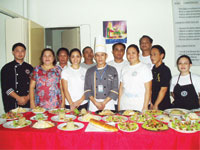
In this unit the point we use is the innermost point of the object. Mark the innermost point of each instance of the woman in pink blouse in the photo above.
(45, 87)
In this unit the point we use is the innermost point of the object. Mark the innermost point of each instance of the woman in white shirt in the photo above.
(73, 78)
(135, 82)
(185, 87)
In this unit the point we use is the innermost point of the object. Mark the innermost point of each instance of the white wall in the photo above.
(150, 17)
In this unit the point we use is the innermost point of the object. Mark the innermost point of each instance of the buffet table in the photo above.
(53, 138)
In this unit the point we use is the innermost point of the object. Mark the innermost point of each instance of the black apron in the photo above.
(185, 96)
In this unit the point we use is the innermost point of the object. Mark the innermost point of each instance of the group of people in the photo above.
(141, 82)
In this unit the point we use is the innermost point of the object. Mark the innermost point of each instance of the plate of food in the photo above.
(105, 112)
(154, 112)
(115, 118)
(39, 116)
(154, 125)
(140, 118)
(164, 118)
(38, 109)
(58, 110)
(20, 110)
(87, 117)
(41, 124)
(176, 111)
(128, 126)
(192, 116)
(11, 116)
(70, 126)
(64, 118)
(128, 112)
(196, 111)
(17, 124)
(185, 126)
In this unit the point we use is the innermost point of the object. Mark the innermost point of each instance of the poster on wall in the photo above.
(115, 31)
(186, 15)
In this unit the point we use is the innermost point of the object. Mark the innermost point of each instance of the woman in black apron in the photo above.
(185, 96)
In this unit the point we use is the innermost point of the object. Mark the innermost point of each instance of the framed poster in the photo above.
(186, 15)
(115, 31)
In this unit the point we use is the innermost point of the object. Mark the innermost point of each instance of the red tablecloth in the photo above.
(30, 138)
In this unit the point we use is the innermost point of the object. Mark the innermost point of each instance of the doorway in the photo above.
(68, 37)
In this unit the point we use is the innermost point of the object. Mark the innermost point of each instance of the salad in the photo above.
(128, 126)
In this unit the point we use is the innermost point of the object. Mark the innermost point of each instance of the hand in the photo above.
(72, 106)
(151, 106)
(144, 109)
(21, 100)
(155, 107)
(77, 103)
(99, 105)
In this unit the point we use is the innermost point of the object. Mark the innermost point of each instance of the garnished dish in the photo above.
(154, 125)
(16, 124)
(70, 126)
(41, 124)
(105, 112)
(38, 109)
(2, 121)
(11, 116)
(192, 116)
(39, 117)
(87, 117)
(63, 118)
(185, 126)
(115, 119)
(140, 118)
(20, 110)
(58, 110)
(196, 111)
(128, 112)
(154, 112)
(103, 125)
(128, 126)
(176, 111)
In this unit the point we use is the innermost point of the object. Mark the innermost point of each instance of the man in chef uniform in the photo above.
(101, 81)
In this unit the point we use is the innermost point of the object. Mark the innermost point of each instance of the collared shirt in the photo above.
(15, 77)
(87, 66)
(109, 81)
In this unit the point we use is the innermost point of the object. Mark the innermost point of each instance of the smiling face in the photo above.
(19, 53)
(184, 65)
(75, 58)
(156, 57)
(100, 58)
(63, 57)
(48, 58)
(132, 55)
(118, 52)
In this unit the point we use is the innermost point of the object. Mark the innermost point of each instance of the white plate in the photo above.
(34, 117)
(2, 121)
(168, 111)
(38, 111)
(196, 110)
(182, 131)
(104, 118)
(10, 125)
(56, 118)
(96, 117)
(128, 131)
(26, 110)
(1, 116)
(80, 126)
(162, 116)
(66, 110)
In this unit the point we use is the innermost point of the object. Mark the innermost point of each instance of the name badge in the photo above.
(100, 88)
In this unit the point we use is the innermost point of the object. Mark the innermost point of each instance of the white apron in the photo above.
(130, 102)
(110, 105)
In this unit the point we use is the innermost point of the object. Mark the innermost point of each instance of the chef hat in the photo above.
(100, 45)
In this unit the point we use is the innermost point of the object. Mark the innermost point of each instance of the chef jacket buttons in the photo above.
(104, 78)
(16, 82)
(104, 86)
(17, 74)
(104, 94)
(17, 91)
(15, 66)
